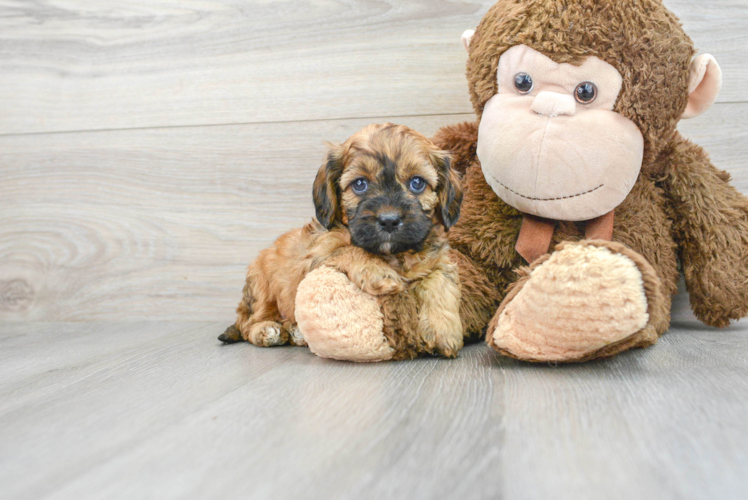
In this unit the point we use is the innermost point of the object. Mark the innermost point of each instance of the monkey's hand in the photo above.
(710, 225)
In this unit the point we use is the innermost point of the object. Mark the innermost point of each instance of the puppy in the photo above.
(383, 201)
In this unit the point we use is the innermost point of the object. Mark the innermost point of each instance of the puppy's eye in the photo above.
(360, 185)
(585, 93)
(523, 83)
(417, 184)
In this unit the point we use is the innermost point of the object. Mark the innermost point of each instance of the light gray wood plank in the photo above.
(666, 422)
(270, 414)
(152, 224)
(161, 224)
(176, 415)
(164, 63)
(77, 65)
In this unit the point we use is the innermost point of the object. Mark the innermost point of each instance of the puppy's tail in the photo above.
(232, 335)
(244, 311)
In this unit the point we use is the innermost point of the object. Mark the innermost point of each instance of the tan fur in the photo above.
(272, 280)
(417, 292)
(421, 318)
(425, 318)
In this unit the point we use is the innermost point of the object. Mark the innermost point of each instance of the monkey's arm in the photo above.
(461, 140)
(710, 226)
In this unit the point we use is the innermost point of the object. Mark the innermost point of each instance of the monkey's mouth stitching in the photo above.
(545, 199)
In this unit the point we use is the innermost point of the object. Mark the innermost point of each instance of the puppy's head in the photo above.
(390, 186)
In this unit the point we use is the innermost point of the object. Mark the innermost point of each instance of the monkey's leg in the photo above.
(586, 300)
(711, 228)
(580, 312)
(340, 321)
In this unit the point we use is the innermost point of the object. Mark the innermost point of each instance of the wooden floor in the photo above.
(161, 410)
(150, 148)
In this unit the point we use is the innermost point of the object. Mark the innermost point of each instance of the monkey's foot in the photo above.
(587, 300)
(338, 320)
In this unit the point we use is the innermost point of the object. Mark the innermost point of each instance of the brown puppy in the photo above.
(383, 202)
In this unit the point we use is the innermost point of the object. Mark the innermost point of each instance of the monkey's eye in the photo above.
(585, 93)
(523, 83)
(360, 185)
(417, 184)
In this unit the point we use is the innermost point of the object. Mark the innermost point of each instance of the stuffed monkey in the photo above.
(580, 196)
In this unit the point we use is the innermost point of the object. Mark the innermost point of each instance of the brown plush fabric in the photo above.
(710, 227)
(488, 230)
(681, 207)
(461, 140)
(640, 38)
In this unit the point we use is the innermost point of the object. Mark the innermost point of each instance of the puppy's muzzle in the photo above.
(389, 221)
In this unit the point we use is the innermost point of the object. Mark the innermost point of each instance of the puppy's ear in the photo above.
(326, 192)
(449, 190)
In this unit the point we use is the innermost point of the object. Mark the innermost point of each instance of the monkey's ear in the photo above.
(704, 84)
(449, 190)
(326, 190)
(466, 37)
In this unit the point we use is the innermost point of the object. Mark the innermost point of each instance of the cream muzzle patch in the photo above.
(551, 144)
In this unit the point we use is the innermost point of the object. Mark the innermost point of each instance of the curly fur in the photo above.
(406, 269)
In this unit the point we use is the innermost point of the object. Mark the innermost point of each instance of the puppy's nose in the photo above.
(389, 221)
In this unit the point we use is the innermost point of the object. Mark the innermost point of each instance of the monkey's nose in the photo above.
(389, 221)
(554, 104)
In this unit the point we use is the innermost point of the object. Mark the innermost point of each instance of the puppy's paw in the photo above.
(449, 345)
(295, 336)
(442, 333)
(267, 334)
(379, 280)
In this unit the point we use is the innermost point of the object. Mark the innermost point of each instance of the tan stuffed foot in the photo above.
(338, 320)
(587, 300)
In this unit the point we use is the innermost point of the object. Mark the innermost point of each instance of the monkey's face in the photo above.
(549, 141)
(393, 188)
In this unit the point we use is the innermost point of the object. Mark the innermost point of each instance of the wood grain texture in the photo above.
(161, 224)
(157, 221)
(161, 410)
(78, 65)
(152, 224)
